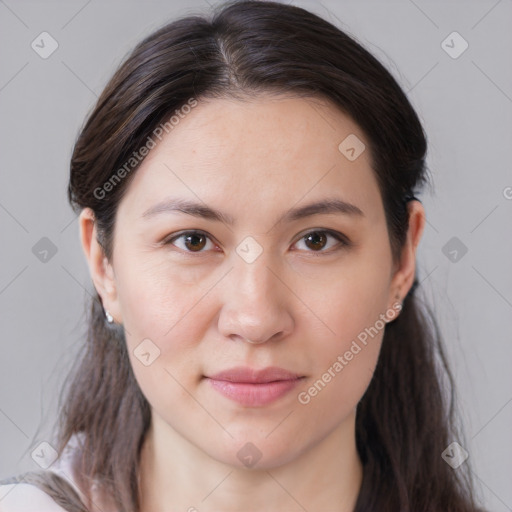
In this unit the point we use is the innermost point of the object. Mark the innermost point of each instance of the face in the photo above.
(252, 278)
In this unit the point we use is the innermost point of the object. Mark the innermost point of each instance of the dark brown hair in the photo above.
(406, 417)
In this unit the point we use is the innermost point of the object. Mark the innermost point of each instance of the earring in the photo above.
(110, 318)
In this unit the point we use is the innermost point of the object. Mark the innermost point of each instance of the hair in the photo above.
(406, 417)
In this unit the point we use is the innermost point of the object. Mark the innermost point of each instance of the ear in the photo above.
(101, 270)
(405, 271)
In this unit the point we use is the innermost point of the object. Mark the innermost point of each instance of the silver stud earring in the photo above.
(110, 318)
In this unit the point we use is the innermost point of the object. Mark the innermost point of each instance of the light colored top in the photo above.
(25, 497)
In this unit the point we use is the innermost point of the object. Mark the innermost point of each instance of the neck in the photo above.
(176, 475)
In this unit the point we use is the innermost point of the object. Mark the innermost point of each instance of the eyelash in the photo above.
(343, 241)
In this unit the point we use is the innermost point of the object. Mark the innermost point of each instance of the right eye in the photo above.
(190, 241)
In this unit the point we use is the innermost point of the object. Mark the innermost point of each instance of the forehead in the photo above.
(267, 151)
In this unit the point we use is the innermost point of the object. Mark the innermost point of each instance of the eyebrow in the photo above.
(326, 206)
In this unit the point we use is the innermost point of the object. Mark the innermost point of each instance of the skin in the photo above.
(254, 160)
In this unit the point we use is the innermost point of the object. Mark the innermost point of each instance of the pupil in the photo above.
(317, 240)
(192, 242)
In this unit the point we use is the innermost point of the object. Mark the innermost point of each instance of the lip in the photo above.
(252, 387)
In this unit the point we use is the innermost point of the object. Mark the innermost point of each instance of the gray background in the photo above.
(465, 104)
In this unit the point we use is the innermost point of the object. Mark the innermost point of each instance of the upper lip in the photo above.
(245, 374)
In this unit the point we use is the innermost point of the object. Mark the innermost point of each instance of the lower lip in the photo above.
(253, 395)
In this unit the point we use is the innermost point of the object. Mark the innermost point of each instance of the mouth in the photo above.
(254, 388)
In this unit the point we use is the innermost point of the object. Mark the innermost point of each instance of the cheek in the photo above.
(348, 300)
(354, 307)
(344, 362)
(333, 395)
(162, 299)
(159, 297)
(162, 342)
(164, 319)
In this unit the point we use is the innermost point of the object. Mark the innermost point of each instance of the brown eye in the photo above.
(323, 241)
(315, 240)
(191, 241)
(195, 242)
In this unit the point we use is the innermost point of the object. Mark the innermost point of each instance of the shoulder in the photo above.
(22, 494)
(23, 497)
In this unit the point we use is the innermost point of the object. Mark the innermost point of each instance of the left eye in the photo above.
(318, 241)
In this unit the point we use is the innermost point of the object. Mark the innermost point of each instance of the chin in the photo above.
(256, 452)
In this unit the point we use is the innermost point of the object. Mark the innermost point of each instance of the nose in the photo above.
(255, 303)
(254, 342)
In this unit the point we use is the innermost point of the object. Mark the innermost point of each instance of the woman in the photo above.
(246, 188)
